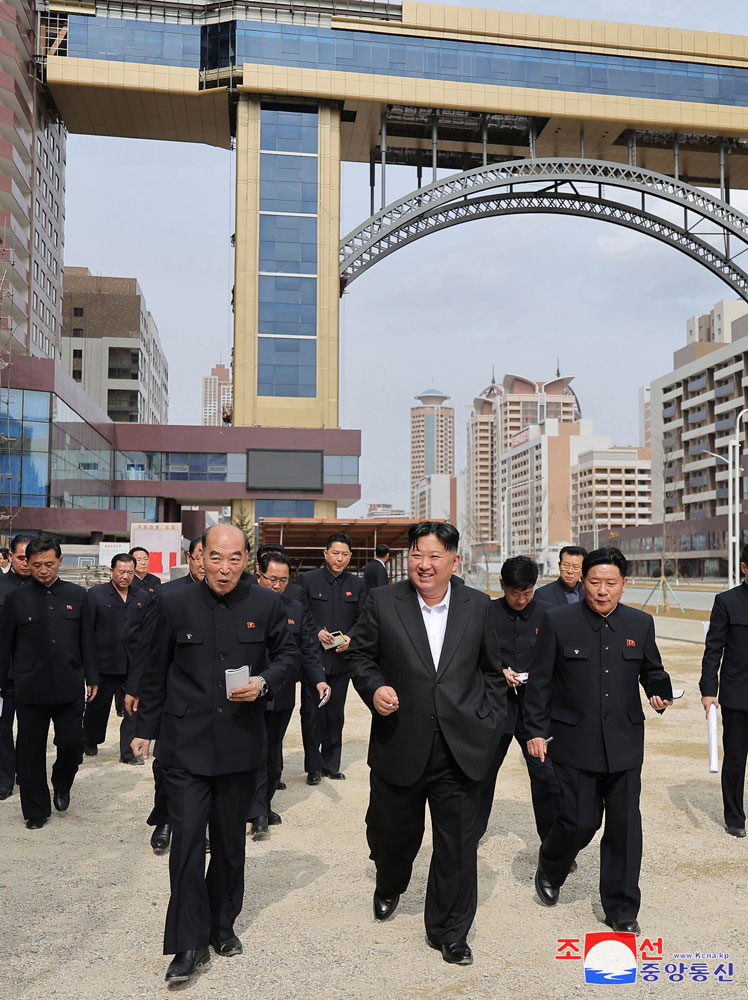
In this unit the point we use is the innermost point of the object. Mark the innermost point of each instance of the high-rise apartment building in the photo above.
(693, 413)
(483, 436)
(32, 194)
(110, 345)
(610, 488)
(432, 440)
(525, 402)
(217, 397)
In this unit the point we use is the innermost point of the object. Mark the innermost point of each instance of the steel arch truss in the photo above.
(705, 228)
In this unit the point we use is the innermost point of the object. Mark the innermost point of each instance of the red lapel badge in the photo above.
(250, 624)
(291, 621)
(630, 642)
(348, 593)
(537, 630)
(68, 607)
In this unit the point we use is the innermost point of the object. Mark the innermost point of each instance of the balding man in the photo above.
(210, 742)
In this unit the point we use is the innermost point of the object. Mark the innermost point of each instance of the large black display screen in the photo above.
(271, 469)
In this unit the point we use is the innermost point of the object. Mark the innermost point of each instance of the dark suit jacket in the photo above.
(465, 697)
(375, 575)
(181, 581)
(121, 629)
(150, 581)
(517, 632)
(44, 632)
(335, 603)
(584, 682)
(304, 630)
(727, 647)
(553, 595)
(8, 583)
(183, 702)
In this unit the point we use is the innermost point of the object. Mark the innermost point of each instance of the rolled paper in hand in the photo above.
(713, 744)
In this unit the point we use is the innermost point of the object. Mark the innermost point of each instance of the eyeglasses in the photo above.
(274, 579)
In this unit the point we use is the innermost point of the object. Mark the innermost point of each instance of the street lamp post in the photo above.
(734, 502)
(721, 458)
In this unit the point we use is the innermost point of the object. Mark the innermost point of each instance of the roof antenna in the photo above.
(558, 368)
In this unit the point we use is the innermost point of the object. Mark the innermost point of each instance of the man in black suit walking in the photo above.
(583, 693)
(568, 588)
(211, 743)
(426, 661)
(18, 574)
(724, 672)
(43, 634)
(120, 617)
(335, 598)
(375, 572)
(142, 577)
(196, 572)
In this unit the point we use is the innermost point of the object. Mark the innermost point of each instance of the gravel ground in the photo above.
(83, 900)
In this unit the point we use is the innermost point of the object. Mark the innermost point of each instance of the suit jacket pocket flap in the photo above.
(632, 653)
(175, 706)
(636, 715)
(190, 638)
(576, 652)
(738, 620)
(253, 634)
(568, 715)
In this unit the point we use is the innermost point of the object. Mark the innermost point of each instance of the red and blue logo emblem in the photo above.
(610, 958)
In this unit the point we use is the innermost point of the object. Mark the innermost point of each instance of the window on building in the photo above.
(77, 332)
(77, 310)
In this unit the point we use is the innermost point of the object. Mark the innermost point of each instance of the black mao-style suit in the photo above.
(517, 632)
(8, 583)
(44, 635)
(279, 708)
(436, 748)
(210, 747)
(724, 672)
(375, 575)
(121, 635)
(335, 603)
(584, 691)
(554, 595)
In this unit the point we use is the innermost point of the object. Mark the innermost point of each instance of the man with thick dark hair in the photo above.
(274, 569)
(516, 618)
(43, 634)
(121, 619)
(375, 572)
(17, 575)
(583, 693)
(196, 572)
(211, 738)
(568, 588)
(293, 590)
(142, 577)
(724, 672)
(426, 662)
(335, 598)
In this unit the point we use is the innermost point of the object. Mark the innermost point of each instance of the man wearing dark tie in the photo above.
(375, 572)
(211, 738)
(583, 694)
(568, 588)
(425, 660)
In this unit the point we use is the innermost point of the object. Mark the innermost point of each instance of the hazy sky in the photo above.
(514, 293)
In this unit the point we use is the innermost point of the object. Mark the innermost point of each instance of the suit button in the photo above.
(606, 647)
(52, 641)
(219, 709)
(606, 670)
(432, 716)
(605, 624)
(605, 715)
(606, 695)
(221, 656)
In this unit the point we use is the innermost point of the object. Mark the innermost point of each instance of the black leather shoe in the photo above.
(335, 775)
(454, 952)
(274, 819)
(182, 967)
(624, 926)
(131, 760)
(734, 831)
(383, 907)
(61, 800)
(161, 838)
(230, 946)
(259, 827)
(36, 822)
(90, 750)
(314, 778)
(6, 791)
(547, 893)
(281, 786)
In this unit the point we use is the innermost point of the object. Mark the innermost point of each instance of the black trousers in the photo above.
(7, 745)
(31, 746)
(394, 830)
(322, 728)
(585, 795)
(160, 812)
(96, 716)
(269, 772)
(204, 904)
(735, 746)
(544, 789)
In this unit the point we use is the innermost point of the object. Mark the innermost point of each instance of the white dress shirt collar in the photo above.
(435, 621)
